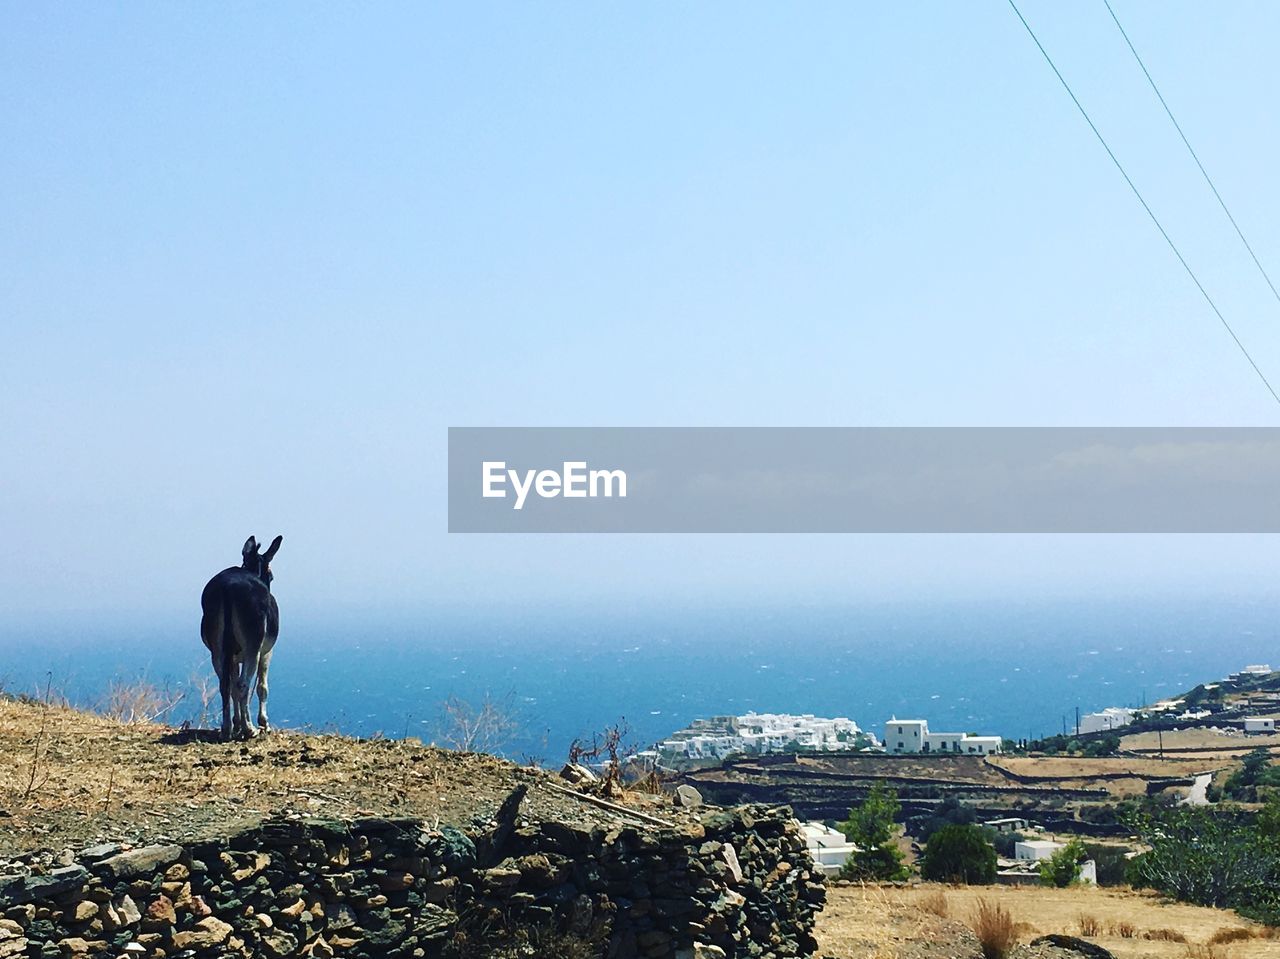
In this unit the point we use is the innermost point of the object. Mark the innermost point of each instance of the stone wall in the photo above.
(733, 883)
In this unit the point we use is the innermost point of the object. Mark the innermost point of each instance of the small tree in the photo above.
(870, 827)
(959, 853)
(487, 726)
(1062, 869)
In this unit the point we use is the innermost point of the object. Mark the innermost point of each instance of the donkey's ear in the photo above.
(250, 547)
(271, 550)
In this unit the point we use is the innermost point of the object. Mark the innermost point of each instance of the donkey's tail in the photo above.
(229, 643)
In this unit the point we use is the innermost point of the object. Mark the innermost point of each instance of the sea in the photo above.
(1013, 668)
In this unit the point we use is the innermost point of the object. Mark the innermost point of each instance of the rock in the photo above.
(688, 797)
(160, 909)
(209, 932)
(1073, 944)
(128, 911)
(700, 950)
(199, 908)
(293, 912)
(84, 911)
(9, 929)
(138, 861)
(537, 871)
(279, 944)
(177, 873)
(501, 881)
(731, 861)
(452, 848)
(578, 773)
(395, 881)
(94, 853)
(17, 890)
(343, 917)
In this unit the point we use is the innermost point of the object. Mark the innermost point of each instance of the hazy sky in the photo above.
(255, 259)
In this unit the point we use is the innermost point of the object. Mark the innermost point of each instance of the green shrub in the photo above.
(1062, 869)
(959, 853)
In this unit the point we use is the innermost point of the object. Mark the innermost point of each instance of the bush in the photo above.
(1255, 771)
(959, 853)
(1062, 869)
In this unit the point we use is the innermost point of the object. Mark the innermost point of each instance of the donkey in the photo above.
(240, 623)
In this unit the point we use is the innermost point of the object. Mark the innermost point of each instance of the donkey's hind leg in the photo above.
(250, 631)
(264, 663)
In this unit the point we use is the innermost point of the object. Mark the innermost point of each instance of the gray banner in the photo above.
(864, 480)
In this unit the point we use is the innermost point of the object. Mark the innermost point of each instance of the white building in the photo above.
(828, 847)
(1038, 850)
(1008, 824)
(1113, 717)
(1034, 850)
(722, 737)
(913, 736)
(1252, 672)
(1260, 724)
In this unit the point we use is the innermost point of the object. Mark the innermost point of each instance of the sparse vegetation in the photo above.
(935, 901)
(486, 727)
(139, 701)
(609, 746)
(1229, 934)
(1124, 929)
(994, 926)
(1089, 925)
(1164, 935)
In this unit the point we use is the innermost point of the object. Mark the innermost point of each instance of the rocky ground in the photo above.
(70, 779)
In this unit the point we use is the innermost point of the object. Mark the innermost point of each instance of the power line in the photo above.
(1205, 173)
(1137, 193)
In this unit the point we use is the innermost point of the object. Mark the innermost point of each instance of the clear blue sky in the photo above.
(254, 259)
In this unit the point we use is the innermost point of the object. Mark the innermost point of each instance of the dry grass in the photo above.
(1164, 935)
(994, 926)
(1124, 929)
(1229, 934)
(1206, 950)
(1133, 925)
(68, 777)
(1089, 926)
(935, 901)
(138, 701)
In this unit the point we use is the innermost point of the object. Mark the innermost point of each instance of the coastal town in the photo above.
(719, 738)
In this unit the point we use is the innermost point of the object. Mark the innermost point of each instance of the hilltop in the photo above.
(71, 778)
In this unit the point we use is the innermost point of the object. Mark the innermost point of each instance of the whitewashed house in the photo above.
(1260, 724)
(1113, 717)
(913, 736)
(828, 847)
(1034, 850)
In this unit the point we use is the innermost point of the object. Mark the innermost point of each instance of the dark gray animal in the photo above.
(240, 623)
